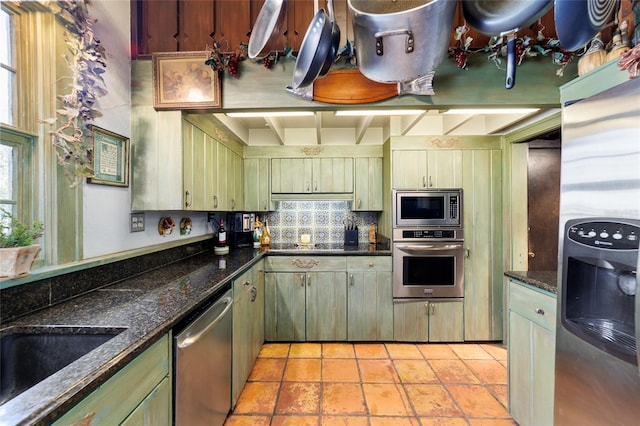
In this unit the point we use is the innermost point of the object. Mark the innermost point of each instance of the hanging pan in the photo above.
(578, 21)
(314, 49)
(267, 28)
(335, 40)
(504, 18)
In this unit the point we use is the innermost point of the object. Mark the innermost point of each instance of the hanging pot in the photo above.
(313, 52)
(502, 18)
(578, 21)
(267, 28)
(400, 40)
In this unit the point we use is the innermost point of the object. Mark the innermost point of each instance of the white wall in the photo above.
(106, 209)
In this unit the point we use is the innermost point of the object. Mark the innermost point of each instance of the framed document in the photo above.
(110, 158)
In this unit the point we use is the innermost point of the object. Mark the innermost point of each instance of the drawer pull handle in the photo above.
(539, 311)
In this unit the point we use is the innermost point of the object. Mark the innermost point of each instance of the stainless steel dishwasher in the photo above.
(202, 369)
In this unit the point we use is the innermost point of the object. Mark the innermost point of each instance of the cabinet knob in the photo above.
(359, 203)
(539, 311)
(370, 264)
(351, 279)
(430, 182)
(215, 201)
(246, 283)
(424, 181)
(467, 252)
(187, 199)
(532, 254)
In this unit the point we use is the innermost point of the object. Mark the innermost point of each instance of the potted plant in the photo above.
(17, 250)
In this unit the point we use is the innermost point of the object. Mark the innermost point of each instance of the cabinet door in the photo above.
(326, 306)
(411, 322)
(444, 167)
(155, 410)
(483, 270)
(284, 315)
(291, 175)
(370, 306)
(409, 169)
(446, 322)
(221, 194)
(332, 175)
(257, 196)
(257, 311)
(242, 325)
(368, 184)
(194, 166)
(520, 353)
(236, 182)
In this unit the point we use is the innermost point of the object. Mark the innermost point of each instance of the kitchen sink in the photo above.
(30, 355)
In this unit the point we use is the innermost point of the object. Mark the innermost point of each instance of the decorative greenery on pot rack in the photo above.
(87, 62)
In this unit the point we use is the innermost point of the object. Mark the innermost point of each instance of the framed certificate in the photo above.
(110, 158)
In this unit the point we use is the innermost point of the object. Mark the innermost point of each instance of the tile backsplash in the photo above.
(323, 220)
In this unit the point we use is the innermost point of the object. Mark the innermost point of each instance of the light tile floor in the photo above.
(376, 384)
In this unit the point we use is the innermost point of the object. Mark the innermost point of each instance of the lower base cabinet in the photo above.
(428, 321)
(248, 326)
(531, 354)
(369, 299)
(139, 394)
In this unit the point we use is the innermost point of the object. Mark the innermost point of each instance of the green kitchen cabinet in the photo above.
(428, 321)
(425, 169)
(311, 175)
(369, 298)
(257, 193)
(248, 326)
(236, 184)
(140, 393)
(153, 410)
(483, 264)
(531, 353)
(305, 298)
(367, 195)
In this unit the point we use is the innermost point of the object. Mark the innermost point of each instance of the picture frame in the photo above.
(110, 158)
(182, 81)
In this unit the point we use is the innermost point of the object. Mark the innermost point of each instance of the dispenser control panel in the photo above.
(607, 235)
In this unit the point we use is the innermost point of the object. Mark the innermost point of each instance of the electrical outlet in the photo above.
(136, 223)
(211, 216)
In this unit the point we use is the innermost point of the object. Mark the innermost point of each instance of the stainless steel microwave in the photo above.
(427, 208)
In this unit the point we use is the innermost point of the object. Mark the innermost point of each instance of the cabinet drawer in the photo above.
(533, 305)
(114, 400)
(242, 283)
(369, 263)
(305, 263)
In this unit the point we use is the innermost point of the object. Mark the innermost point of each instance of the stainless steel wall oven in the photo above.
(428, 263)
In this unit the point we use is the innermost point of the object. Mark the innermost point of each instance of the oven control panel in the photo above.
(420, 234)
(607, 235)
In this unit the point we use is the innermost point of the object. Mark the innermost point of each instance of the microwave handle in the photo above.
(423, 248)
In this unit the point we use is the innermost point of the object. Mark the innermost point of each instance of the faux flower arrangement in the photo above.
(526, 47)
(87, 62)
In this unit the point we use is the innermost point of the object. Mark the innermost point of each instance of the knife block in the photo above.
(351, 237)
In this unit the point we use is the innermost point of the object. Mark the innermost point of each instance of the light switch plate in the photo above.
(136, 223)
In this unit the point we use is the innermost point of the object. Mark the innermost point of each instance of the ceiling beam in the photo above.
(362, 126)
(234, 126)
(452, 122)
(408, 122)
(276, 127)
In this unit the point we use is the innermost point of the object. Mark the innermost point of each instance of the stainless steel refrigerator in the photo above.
(597, 380)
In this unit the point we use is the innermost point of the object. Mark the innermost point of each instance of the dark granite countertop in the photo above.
(544, 280)
(146, 306)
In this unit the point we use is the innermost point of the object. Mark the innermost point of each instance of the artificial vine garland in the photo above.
(72, 139)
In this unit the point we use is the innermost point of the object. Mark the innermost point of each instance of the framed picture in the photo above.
(110, 158)
(181, 80)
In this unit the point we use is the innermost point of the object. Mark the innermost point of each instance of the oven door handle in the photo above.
(424, 248)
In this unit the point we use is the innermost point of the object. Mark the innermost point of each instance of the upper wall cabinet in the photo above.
(368, 184)
(257, 196)
(424, 169)
(311, 175)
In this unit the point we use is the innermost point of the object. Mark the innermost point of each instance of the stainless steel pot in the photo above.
(400, 40)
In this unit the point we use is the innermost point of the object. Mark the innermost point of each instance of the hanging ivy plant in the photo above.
(87, 62)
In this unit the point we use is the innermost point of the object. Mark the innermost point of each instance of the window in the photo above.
(8, 71)
(16, 173)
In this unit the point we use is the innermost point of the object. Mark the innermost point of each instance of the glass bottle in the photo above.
(222, 234)
(265, 239)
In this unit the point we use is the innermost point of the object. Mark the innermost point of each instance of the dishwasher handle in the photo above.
(190, 339)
